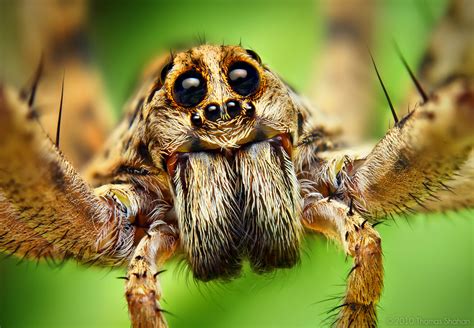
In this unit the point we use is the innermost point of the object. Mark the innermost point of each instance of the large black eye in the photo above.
(243, 78)
(189, 89)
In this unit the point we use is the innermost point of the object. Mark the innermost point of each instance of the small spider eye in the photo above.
(243, 78)
(189, 89)
(196, 119)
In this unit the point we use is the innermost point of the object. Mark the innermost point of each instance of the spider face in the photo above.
(219, 97)
(228, 121)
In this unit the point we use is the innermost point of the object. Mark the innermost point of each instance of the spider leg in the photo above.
(142, 289)
(456, 193)
(52, 199)
(122, 173)
(54, 35)
(449, 57)
(362, 242)
(17, 238)
(416, 156)
(20, 240)
(343, 78)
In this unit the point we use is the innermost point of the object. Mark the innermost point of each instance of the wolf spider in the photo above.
(219, 161)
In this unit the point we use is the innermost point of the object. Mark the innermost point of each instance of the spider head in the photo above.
(225, 125)
(219, 97)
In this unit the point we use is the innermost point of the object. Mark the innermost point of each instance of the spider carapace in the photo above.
(220, 161)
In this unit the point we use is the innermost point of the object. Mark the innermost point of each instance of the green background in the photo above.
(428, 258)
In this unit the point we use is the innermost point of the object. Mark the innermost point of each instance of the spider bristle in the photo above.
(200, 38)
(351, 321)
(330, 321)
(363, 223)
(49, 259)
(16, 250)
(64, 235)
(9, 242)
(337, 307)
(427, 187)
(329, 299)
(352, 269)
(351, 204)
(93, 262)
(158, 273)
(165, 311)
(446, 187)
(331, 315)
(25, 255)
(172, 55)
(123, 278)
(392, 109)
(58, 127)
(417, 83)
(376, 224)
(409, 210)
(36, 80)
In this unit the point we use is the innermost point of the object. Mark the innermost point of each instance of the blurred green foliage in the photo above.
(429, 260)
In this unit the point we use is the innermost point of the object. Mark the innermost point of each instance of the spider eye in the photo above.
(189, 89)
(243, 78)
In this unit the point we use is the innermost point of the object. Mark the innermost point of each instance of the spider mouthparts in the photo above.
(173, 161)
(282, 140)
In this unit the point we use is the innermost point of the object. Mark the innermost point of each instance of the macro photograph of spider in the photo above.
(225, 163)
